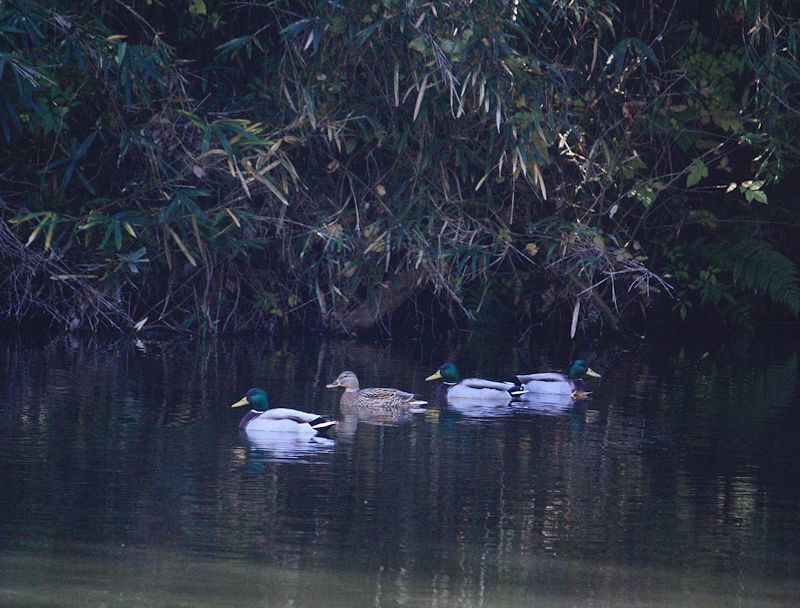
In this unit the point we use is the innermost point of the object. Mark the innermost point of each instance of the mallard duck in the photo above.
(279, 419)
(387, 399)
(560, 384)
(476, 389)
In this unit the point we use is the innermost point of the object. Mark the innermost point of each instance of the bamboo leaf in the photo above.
(234, 218)
(167, 253)
(420, 96)
(575, 314)
(396, 85)
(182, 247)
(34, 234)
(48, 237)
(198, 239)
(266, 181)
(537, 175)
(481, 180)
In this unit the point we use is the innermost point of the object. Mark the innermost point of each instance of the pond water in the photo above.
(124, 480)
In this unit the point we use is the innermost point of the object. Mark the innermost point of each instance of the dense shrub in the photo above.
(217, 166)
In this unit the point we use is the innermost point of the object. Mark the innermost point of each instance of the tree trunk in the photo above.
(393, 293)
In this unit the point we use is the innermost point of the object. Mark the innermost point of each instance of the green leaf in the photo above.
(231, 46)
(419, 44)
(727, 120)
(197, 7)
(697, 171)
(123, 47)
(295, 29)
(646, 193)
(757, 195)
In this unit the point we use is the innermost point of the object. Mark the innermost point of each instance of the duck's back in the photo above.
(281, 420)
(542, 377)
(378, 397)
(480, 389)
(548, 383)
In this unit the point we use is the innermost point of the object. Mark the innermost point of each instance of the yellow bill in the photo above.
(434, 376)
(241, 402)
(592, 373)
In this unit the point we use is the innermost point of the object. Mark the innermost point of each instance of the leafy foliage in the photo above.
(724, 273)
(217, 166)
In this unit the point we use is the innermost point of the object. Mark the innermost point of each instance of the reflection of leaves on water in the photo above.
(747, 392)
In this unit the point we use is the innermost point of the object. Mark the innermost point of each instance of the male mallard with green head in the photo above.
(262, 417)
(478, 389)
(555, 383)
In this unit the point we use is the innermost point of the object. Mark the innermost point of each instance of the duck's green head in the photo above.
(257, 398)
(581, 367)
(447, 372)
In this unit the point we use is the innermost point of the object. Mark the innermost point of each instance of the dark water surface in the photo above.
(125, 482)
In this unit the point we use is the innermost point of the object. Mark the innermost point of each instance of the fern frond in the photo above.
(757, 266)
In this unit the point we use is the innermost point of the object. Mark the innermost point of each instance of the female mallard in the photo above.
(560, 384)
(383, 398)
(280, 419)
(477, 389)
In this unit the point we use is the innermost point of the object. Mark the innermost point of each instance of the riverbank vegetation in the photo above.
(218, 166)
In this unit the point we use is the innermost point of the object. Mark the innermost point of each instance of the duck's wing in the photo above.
(285, 413)
(386, 395)
(542, 377)
(482, 383)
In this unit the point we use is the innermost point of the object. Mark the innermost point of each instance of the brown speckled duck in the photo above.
(375, 398)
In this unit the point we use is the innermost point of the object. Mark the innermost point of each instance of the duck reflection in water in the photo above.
(476, 408)
(353, 415)
(546, 404)
(287, 446)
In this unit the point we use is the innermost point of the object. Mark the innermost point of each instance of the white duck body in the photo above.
(550, 383)
(478, 389)
(284, 420)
